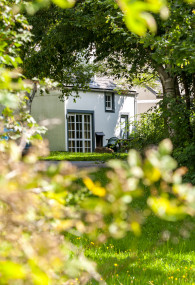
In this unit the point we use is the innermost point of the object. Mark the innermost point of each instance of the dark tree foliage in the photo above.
(65, 41)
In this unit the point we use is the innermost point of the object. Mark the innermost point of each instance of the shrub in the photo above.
(148, 130)
(185, 156)
(170, 119)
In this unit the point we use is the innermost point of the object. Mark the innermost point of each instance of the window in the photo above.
(109, 102)
(124, 127)
(80, 132)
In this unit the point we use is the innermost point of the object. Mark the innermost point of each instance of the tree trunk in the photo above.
(187, 91)
(168, 87)
(171, 91)
(193, 82)
(177, 91)
(168, 82)
(31, 96)
(188, 103)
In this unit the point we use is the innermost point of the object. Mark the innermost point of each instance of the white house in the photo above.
(96, 116)
(146, 98)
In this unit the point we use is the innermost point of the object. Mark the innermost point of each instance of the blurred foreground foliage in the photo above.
(36, 212)
(37, 209)
(186, 156)
(138, 15)
(33, 213)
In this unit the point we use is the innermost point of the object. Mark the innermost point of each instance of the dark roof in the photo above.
(102, 83)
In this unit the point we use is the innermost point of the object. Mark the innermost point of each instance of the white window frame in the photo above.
(83, 139)
(108, 99)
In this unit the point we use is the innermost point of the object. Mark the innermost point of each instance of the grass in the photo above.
(163, 254)
(167, 264)
(146, 260)
(71, 156)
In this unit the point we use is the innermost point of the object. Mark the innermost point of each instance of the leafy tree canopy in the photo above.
(65, 39)
(69, 45)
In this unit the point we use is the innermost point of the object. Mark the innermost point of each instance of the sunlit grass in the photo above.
(163, 254)
(147, 260)
(70, 156)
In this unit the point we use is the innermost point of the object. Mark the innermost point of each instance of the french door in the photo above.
(80, 132)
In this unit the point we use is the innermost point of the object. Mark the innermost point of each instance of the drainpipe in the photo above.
(135, 110)
(135, 107)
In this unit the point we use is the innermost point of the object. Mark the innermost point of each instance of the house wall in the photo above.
(106, 122)
(51, 109)
(48, 107)
(146, 99)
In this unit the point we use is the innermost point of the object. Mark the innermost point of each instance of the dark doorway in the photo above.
(99, 139)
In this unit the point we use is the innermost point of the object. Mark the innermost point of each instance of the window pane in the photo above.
(108, 101)
(71, 146)
(79, 133)
(87, 118)
(78, 118)
(79, 146)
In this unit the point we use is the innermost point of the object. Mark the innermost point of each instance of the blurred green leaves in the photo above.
(138, 14)
(10, 270)
(33, 216)
(167, 209)
(64, 3)
(35, 212)
(33, 6)
(154, 178)
(14, 32)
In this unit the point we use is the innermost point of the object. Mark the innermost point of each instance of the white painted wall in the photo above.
(106, 122)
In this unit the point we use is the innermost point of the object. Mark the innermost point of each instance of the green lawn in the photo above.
(70, 156)
(121, 262)
(150, 259)
(147, 260)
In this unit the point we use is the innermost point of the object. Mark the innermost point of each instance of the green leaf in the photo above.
(165, 147)
(64, 3)
(137, 16)
(37, 136)
(39, 277)
(134, 158)
(11, 270)
(166, 209)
